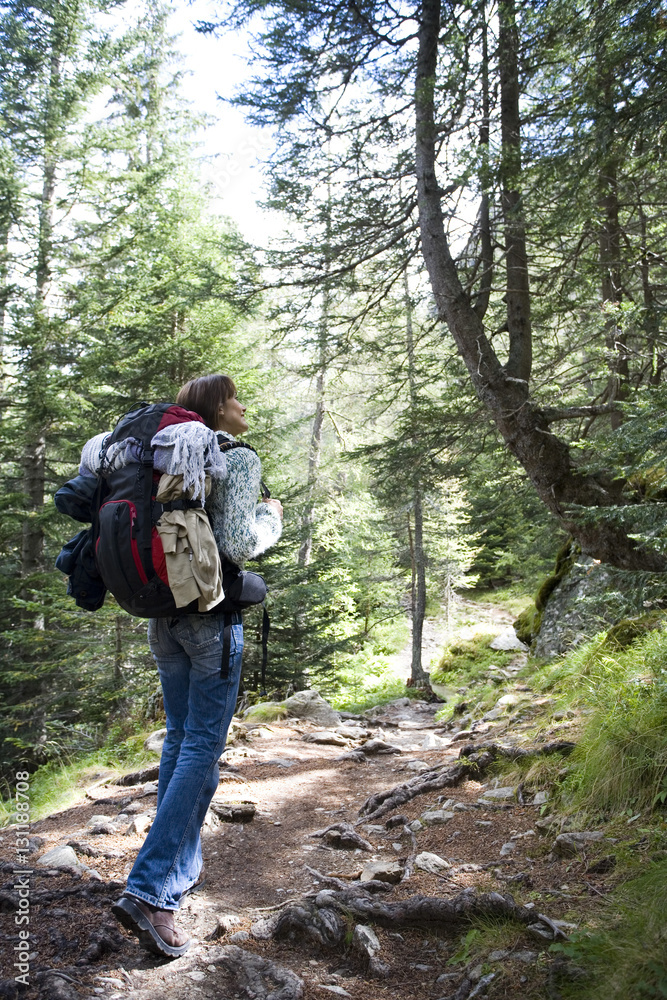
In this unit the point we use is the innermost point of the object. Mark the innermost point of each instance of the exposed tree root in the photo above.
(473, 761)
(325, 918)
(258, 977)
(519, 753)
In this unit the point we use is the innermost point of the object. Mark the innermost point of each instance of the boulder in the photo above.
(140, 825)
(502, 794)
(238, 811)
(379, 746)
(568, 845)
(434, 817)
(365, 941)
(155, 740)
(100, 825)
(587, 597)
(507, 640)
(353, 732)
(434, 742)
(326, 736)
(310, 705)
(416, 765)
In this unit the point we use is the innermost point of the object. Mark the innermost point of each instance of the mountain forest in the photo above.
(452, 345)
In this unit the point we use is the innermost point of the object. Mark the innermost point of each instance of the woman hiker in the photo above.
(199, 697)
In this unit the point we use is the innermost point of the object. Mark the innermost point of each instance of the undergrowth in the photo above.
(465, 660)
(626, 954)
(60, 784)
(512, 598)
(621, 758)
(378, 691)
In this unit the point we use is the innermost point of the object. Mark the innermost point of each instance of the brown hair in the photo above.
(206, 395)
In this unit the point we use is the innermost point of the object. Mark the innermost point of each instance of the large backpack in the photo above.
(123, 545)
(128, 551)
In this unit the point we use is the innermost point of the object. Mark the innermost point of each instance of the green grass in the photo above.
(379, 691)
(465, 660)
(625, 954)
(486, 934)
(265, 711)
(621, 758)
(512, 598)
(61, 784)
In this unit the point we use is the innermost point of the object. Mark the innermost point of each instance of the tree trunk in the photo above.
(308, 518)
(481, 300)
(118, 652)
(519, 362)
(34, 456)
(523, 426)
(4, 298)
(418, 676)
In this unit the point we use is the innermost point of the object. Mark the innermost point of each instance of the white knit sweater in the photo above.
(243, 528)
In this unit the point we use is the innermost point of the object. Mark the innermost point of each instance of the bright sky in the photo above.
(234, 151)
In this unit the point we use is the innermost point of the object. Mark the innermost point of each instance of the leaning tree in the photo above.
(505, 148)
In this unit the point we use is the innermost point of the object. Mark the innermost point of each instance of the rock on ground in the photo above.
(311, 705)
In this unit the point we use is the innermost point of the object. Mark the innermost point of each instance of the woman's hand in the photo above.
(277, 506)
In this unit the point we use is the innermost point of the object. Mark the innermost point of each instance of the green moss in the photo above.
(527, 625)
(565, 560)
(625, 632)
(466, 659)
(265, 711)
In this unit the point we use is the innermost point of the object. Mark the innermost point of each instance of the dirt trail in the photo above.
(300, 788)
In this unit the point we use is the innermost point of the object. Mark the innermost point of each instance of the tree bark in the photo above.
(34, 457)
(482, 297)
(308, 518)
(519, 362)
(418, 676)
(521, 423)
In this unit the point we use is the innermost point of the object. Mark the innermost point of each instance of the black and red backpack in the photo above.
(122, 552)
(128, 550)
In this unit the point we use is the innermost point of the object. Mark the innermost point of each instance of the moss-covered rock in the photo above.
(565, 560)
(527, 624)
(625, 632)
(581, 598)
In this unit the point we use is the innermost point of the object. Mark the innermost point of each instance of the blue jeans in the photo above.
(199, 702)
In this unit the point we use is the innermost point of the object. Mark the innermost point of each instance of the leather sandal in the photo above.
(154, 928)
(198, 884)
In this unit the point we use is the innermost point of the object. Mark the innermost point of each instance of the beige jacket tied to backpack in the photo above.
(190, 551)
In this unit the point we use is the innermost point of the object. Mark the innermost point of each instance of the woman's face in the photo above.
(231, 417)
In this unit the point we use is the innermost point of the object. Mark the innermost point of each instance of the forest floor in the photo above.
(255, 869)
